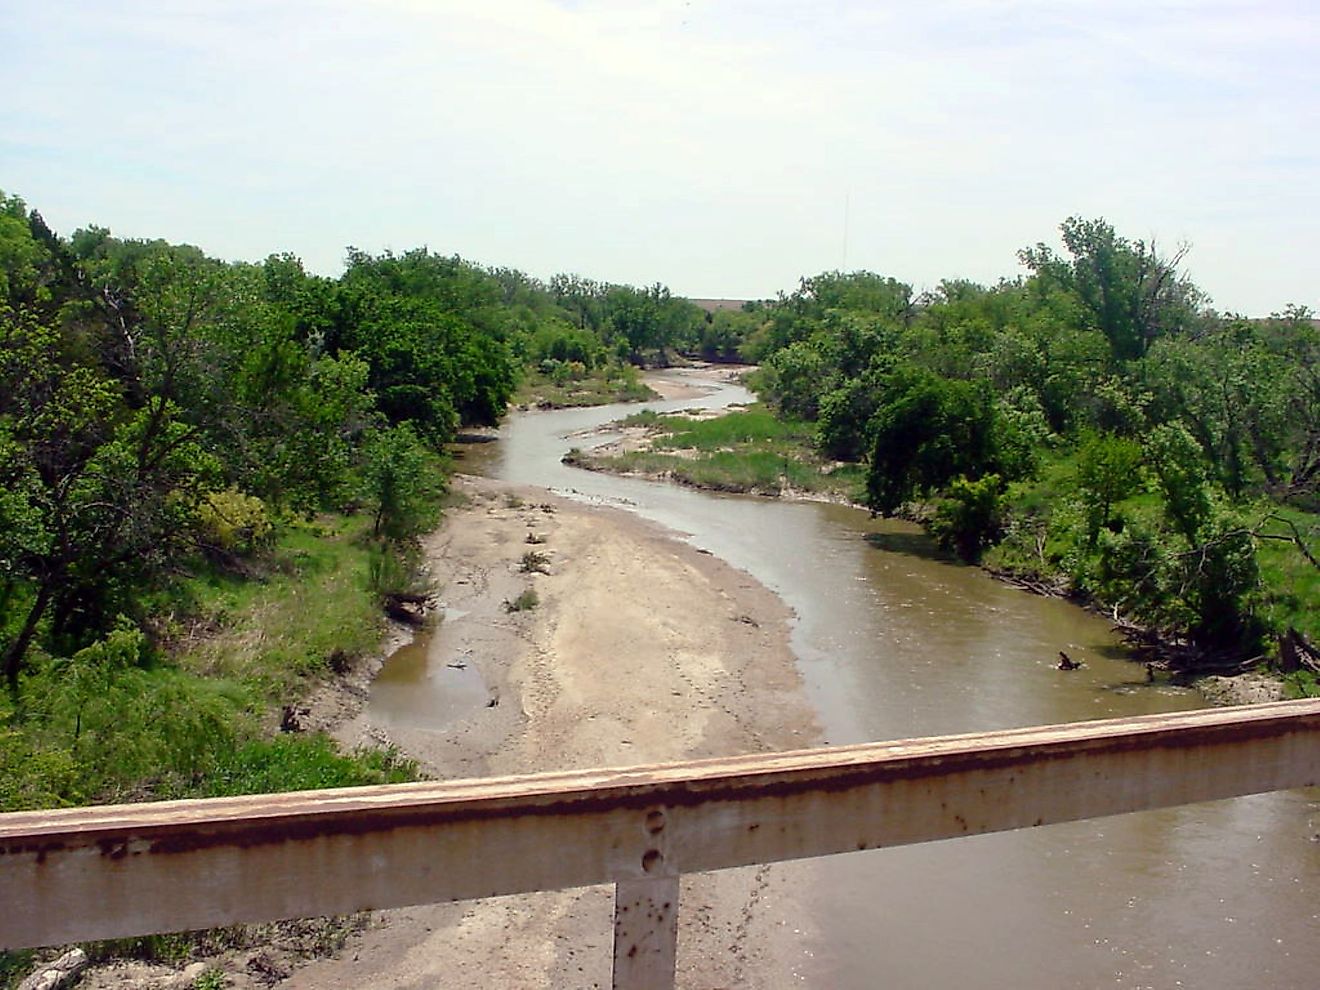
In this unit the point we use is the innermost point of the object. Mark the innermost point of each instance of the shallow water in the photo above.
(427, 685)
(895, 640)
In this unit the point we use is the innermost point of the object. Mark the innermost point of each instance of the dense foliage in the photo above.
(1092, 420)
(170, 423)
(167, 419)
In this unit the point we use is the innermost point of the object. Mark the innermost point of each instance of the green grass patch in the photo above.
(128, 719)
(1291, 583)
(15, 966)
(748, 450)
(1301, 684)
(756, 428)
(301, 763)
(614, 383)
(307, 611)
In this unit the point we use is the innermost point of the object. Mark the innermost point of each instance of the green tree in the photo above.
(1108, 471)
(1176, 461)
(105, 491)
(432, 334)
(1129, 292)
(929, 431)
(402, 484)
(969, 516)
(1233, 395)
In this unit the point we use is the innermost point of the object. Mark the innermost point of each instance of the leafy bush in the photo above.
(402, 483)
(232, 522)
(1301, 684)
(968, 516)
(125, 726)
(35, 777)
(1108, 471)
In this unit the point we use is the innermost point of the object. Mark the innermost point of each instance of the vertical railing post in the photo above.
(646, 912)
(645, 933)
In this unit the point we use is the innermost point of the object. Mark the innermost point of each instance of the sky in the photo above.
(726, 149)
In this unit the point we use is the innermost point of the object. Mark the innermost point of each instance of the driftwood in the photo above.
(1296, 652)
(408, 607)
(1055, 588)
(1164, 651)
(291, 717)
(63, 972)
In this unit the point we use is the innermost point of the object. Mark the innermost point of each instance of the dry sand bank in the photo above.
(642, 649)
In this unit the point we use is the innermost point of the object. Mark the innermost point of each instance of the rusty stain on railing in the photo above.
(106, 872)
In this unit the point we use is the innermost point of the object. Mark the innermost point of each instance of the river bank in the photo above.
(748, 451)
(891, 643)
(641, 648)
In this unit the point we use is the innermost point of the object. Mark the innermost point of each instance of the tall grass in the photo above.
(756, 425)
(129, 719)
(312, 609)
(1291, 582)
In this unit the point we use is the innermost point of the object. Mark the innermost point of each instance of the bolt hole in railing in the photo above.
(117, 871)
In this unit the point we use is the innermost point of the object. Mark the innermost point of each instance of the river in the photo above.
(895, 641)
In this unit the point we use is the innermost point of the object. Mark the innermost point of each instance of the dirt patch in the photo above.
(1243, 689)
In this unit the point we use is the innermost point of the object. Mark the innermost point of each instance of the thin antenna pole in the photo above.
(847, 197)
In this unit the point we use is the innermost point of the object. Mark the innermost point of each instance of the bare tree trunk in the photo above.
(13, 661)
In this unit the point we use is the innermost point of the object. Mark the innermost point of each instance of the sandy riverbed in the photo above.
(642, 649)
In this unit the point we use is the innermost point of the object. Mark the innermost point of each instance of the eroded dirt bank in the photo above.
(641, 649)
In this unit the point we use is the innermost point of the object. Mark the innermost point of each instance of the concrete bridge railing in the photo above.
(116, 871)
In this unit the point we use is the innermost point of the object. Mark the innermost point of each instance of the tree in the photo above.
(1108, 471)
(105, 492)
(1179, 469)
(845, 414)
(929, 431)
(1295, 335)
(795, 378)
(401, 482)
(968, 517)
(1129, 293)
(1233, 395)
(431, 332)
(634, 318)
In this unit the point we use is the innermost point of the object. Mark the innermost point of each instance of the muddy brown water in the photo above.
(893, 641)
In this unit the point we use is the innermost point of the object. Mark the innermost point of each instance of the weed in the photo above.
(14, 966)
(1301, 684)
(300, 763)
(272, 634)
(173, 949)
(525, 602)
(612, 383)
(534, 562)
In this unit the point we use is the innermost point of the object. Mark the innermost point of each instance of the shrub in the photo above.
(968, 517)
(33, 777)
(233, 523)
(402, 483)
(123, 726)
(525, 602)
(534, 562)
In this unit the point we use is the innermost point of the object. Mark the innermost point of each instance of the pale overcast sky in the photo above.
(724, 148)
